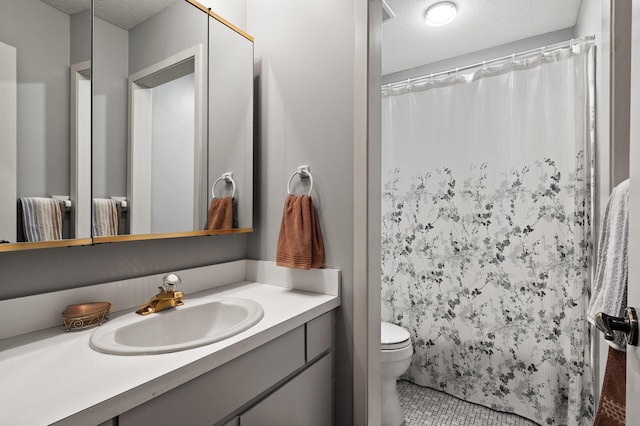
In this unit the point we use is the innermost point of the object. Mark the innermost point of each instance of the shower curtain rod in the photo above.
(551, 47)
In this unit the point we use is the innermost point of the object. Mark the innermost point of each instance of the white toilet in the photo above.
(395, 358)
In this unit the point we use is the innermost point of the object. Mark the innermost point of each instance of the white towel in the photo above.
(105, 217)
(609, 291)
(42, 218)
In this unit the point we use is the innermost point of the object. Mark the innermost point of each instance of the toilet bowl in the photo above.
(395, 357)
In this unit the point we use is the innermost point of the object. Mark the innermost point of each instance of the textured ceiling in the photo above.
(125, 14)
(69, 7)
(480, 24)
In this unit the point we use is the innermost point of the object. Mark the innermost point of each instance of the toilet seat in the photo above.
(393, 337)
(395, 355)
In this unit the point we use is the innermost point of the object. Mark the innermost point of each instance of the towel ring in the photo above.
(228, 178)
(304, 172)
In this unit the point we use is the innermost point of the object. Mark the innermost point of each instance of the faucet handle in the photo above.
(170, 281)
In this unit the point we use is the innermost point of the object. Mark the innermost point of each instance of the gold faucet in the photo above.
(168, 297)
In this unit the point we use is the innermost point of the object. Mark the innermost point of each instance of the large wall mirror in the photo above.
(172, 116)
(45, 123)
(163, 148)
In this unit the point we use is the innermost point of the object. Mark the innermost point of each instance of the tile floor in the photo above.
(424, 406)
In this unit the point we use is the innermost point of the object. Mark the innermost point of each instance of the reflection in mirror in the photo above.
(231, 121)
(44, 121)
(166, 131)
(158, 146)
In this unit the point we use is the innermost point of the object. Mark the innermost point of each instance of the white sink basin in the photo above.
(198, 322)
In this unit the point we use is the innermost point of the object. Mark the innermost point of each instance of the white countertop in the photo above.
(52, 376)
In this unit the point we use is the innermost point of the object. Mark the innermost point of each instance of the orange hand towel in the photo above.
(317, 246)
(612, 405)
(220, 215)
(300, 242)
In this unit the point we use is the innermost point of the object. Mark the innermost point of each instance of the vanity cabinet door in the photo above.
(304, 400)
(319, 336)
(208, 399)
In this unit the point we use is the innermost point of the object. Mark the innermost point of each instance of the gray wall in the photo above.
(304, 71)
(231, 95)
(109, 142)
(173, 30)
(118, 54)
(80, 37)
(40, 271)
(41, 36)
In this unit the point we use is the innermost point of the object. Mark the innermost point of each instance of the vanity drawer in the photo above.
(207, 399)
(319, 335)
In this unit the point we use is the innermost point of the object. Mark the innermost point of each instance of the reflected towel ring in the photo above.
(304, 172)
(227, 177)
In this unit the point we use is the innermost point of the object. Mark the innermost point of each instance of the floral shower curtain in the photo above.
(486, 232)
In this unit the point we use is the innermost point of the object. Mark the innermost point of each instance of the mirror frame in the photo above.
(44, 244)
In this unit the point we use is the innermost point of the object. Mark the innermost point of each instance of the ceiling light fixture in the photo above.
(440, 14)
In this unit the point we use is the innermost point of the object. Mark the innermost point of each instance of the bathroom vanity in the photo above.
(279, 371)
(285, 381)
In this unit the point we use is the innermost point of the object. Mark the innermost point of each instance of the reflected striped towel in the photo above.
(42, 218)
(105, 217)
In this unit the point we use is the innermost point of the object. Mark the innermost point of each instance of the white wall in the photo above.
(304, 82)
(611, 23)
(594, 19)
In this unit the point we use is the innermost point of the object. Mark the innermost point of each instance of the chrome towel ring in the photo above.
(228, 178)
(303, 172)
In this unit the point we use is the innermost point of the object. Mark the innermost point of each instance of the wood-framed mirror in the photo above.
(65, 138)
(45, 110)
(173, 123)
